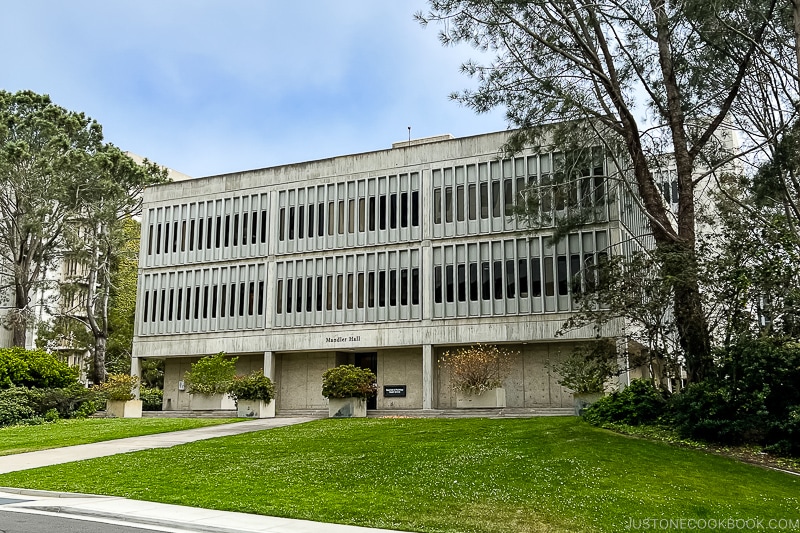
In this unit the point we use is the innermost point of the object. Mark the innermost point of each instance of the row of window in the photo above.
(516, 275)
(207, 230)
(352, 288)
(203, 300)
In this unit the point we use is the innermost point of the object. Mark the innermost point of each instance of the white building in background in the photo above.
(384, 259)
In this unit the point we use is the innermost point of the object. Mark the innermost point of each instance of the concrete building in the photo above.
(384, 259)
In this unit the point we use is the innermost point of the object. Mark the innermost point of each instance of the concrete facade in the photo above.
(401, 253)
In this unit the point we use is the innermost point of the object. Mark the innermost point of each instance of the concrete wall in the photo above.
(530, 383)
(299, 379)
(400, 367)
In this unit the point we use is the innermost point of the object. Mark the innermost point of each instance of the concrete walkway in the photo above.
(157, 516)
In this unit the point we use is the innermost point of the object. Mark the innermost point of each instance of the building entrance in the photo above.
(369, 360)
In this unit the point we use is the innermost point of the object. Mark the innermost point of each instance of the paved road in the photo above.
(16, 522)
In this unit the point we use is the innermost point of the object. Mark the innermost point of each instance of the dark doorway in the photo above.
(369, 361)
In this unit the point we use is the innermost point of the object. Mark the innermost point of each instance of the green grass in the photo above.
(19, 439)
(481, 475)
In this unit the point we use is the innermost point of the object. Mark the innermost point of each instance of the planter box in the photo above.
(201, 402)
(255, 409)
(489, 399)
(123, 409)
(583, 400)
(347, 407)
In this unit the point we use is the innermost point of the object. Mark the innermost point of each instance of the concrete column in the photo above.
(428, 369)
(269, 365)
(136, 371)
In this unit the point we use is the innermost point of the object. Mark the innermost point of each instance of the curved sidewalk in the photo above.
(158, 516)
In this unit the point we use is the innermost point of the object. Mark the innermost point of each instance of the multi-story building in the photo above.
(384, 259)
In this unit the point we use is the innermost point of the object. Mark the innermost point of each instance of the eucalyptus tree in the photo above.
(642, 78)
(46, 153)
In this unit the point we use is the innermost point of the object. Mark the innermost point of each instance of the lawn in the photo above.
(19, 439)
(481, 475)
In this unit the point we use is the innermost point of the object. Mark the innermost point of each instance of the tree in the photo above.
(45, 155)
(100, 232)
(595, 68)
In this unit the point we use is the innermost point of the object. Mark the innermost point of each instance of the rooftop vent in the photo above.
(423, 140)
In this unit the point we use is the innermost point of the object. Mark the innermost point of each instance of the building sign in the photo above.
(343, 338)
(394, 391)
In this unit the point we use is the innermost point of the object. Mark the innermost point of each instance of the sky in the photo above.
(207, 87)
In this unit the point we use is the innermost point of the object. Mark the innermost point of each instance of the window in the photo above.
(158, 239)
(350, 291)
(163, 300)
(522, 267)
(549, 285)
(510, 279)
(310, 221)
(183, 236)
(341, 217)
(320, 220)
(415, 286)
(563, 285)
(191, 235)
(360, 285)
(372, 213)
(232, 306)
(415, 208)
(351, 216)
(196, 303)
(218, 230)
(319, 293)
(404, 286)
(473, 201)
(146, 302)
(448, 204)
(371, 290)
(392, 287)
(224, 293)
(175, 236)
(205, 301)
(263, 228)
(301, 220)
(289, 294)
(166, 237)
(485, 281)
(339, 291)
(404, 209)
(290, 225)
(473, 282)
(244, 229)
(227, 230)
(236, 227)
(299, 299)
(362, 215)
(209, 231)
(382, 211)
(484, 200)
(329, 293)
(281, 224)
(260, 298)
(150, 240)
(382, 289)
(330, 218)
(497, 270)
(393, 211)
(241, 299)
(437, 284)
(171, 299)
(155, 299)
(188, 303)
(449, 284)
(460, 203)
(309, 293)
(508, 191)
(462, 283)
(437, 206)
(253, 228)
(496, 198)
(178, 304)
(575, 272)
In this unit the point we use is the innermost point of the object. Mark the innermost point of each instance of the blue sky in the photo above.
(208, 87)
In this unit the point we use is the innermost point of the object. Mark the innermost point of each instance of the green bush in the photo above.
(152, 399)
(34, 368)
(15, 406)
(637, 404)
(348, 381)
(254, 386)
(118, 387)
(211, 375)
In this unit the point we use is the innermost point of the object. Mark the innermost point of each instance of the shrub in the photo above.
(34, 368)
(152, 399)
(211, 375)
(348, 381)
(15, 406)
(254, 386)
(478, 368)
(118, 387)
(69, 402)
(588, 367)
(637, 404)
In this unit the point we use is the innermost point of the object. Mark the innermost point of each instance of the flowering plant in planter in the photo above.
(253, 386)
(478, 368)
(118, 387)
(211, 375)
(349, 381)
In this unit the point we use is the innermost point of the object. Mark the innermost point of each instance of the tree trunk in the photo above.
(19, 322)
(100, 373)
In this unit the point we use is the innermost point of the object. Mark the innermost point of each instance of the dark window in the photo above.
(179, 301)
(299, 300)
(339, 291)
(522, 265)
(393, 211)
(191, 235)
(330, 218)
(260, 297)
(200, 234)
(282, 224)
(158, 239)
(510, 279)
(549, 284)
(496, 198)
(472, 191)
(309, 293)
(563, 285)
(236, 230)
(155, 300)
(371, 290)
(166, 237)
(146, 302)
(175, 237)
(392, 287)
(218, 231)
(263, 227)
(288, 295)
(437, 284)
(320, 220)
(484, 200)
(301, 220)
(183, 236)
(232, 306)
(171, 299)
(486, 282)
(341, 217)
(329, 293)
(290, 224)
(462, 283)
(319, 293)
(473, 282)
(244, 228)
(404, 209)
(188, 303)
(351, 216)
(674, 187)
(449, 284)
(310, 221)
(241, 299)
(251, 298)
(223, 300)
(214, 301)
(415, 286)
(209, 231)
(253, 227)
(415, 208)
(508, 190)
(161, 307)
(205, 301)
(197, 302)
(382, 211)
(350, 291)
(437, 205)
(497, 270)
(360, 285)
(362, 214)
(404, 286)
(575, 272)
(448, 204)
(150, 240)
(372, 213)
(227, 230)
(460, 203)
(382, 289)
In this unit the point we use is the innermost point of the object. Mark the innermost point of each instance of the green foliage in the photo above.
(33, 368)
(638, 403)
(254, 386)
(152, 399)
(70, 402)
(211, 375)
(118, 387)
(15, 406)
(478, 368)
(348, 381)
(586, 370)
